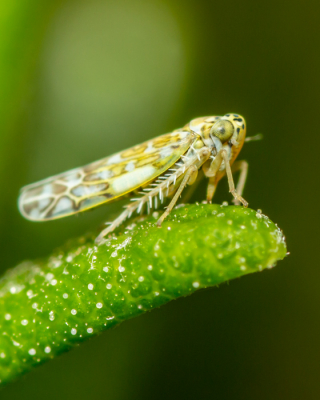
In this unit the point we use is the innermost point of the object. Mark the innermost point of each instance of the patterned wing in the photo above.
(104, 180)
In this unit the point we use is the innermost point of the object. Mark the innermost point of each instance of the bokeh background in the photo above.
(80, 80)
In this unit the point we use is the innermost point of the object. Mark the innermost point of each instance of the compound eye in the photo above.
(223, 130)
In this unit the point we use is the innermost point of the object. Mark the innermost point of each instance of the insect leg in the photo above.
(241, 166)
(118, 221)
(137, 204)
(212, 170)
(190, 176)
(211, 188)
(232, 189)
(191, 189)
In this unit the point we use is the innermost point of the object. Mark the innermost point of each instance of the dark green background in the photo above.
(80, 80)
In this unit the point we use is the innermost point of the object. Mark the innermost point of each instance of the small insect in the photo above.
(156, 169)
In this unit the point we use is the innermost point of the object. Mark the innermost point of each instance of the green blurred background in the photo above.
(80, 80)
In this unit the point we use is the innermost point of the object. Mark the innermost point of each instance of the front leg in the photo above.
(232, 189)
(241, 166)
(212, 170)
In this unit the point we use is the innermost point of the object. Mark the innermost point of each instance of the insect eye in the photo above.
(223, 130)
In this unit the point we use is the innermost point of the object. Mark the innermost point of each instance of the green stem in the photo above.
(47, 307)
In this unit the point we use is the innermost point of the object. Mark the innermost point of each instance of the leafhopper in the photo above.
(156, 169)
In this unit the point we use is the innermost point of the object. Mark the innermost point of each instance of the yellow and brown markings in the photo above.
(97, 176)
(113, 171)
(148, 159)
(96, 183)
(28, 207)
(134, 151)
(38, 190)
(93, 167)
(205, 131)
(165, 140)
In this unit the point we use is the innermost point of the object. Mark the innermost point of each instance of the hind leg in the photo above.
(189, 178)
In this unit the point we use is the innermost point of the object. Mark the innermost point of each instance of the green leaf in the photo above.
(48, 306)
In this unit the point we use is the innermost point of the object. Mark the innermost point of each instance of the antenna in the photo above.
(258, 136)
